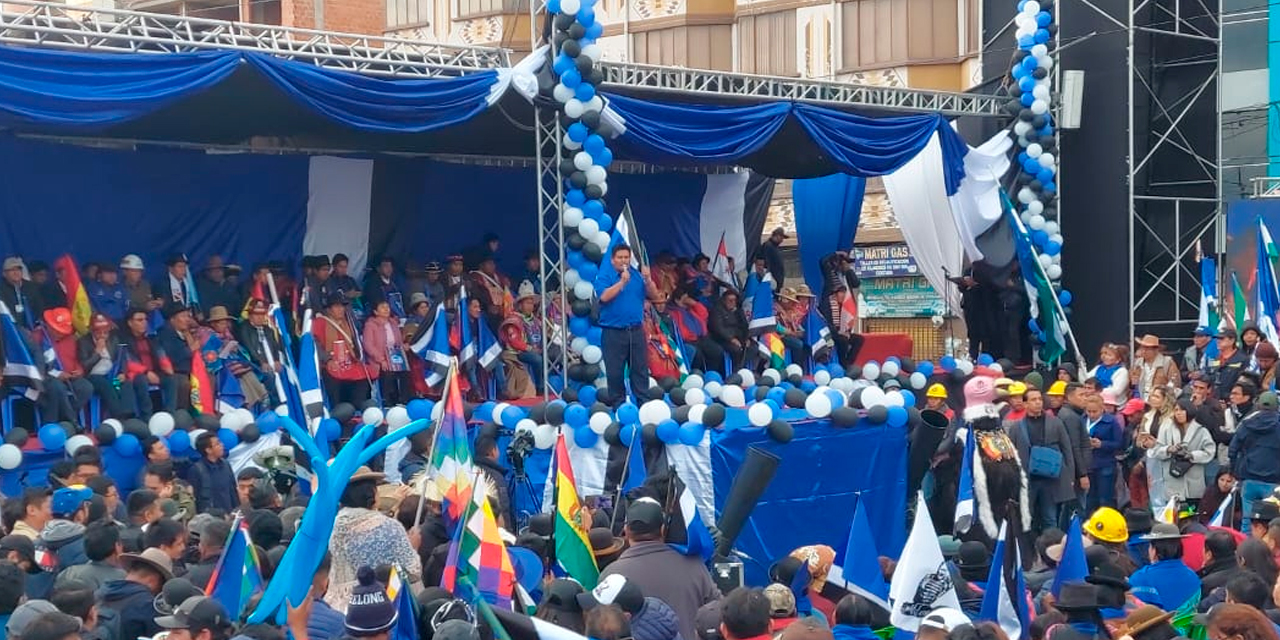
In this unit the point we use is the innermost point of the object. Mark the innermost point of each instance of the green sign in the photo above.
(900, 298)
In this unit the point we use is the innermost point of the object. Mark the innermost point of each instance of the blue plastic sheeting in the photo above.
(86, 91)
(827, 214)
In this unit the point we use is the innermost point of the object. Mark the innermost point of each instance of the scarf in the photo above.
(692, 322)
(1104, 372)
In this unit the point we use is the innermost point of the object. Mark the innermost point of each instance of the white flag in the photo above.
(921, 582)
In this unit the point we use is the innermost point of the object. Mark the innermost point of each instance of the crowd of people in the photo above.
(134, 356)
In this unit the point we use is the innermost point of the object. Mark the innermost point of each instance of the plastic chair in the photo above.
(10, 401)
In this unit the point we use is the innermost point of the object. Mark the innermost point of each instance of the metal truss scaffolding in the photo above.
(1175, 139)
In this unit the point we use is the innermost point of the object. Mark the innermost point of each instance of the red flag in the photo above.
(201, 387)
(848, 313)
(77, 297)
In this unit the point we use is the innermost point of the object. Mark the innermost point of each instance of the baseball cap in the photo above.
(782, 603)
(944, 618)
(613, 589)
(707, 621)
(779, 231)
(13, 262)
(645, 516)
(22, 544)
(1268, 400)
(25, 614)
(1228, 333)
(196, 612)
(67, 499)
(1203, 332)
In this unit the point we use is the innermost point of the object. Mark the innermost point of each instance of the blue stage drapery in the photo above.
(679, 133)
(827, 214)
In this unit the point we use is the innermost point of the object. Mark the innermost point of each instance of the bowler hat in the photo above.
(1076, 596)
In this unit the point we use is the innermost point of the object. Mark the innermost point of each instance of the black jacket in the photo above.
(214, 486)
(1255, 449)
(176, 348)
(29, 313)
(89, 356)
(498, 479)
(219, 294)
(133, 604)
(1218, 574)
(725, 325)
(251, 342)
(773, 260)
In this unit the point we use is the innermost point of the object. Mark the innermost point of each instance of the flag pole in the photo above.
(1057, 304)
(617, 493)
(431, 449)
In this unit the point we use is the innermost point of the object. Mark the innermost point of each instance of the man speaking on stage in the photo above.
(622, 291)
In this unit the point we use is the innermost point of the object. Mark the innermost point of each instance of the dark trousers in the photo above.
(847, 347)
(623, 348)
(355, 393)
(64, 399)
(707, 354)
(396, 388)
(177, 391)
(799, 350)
(1044, 508)
(113, 400)
(136, 397)
(1102, 488)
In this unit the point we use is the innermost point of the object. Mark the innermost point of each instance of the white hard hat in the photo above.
(131, 261)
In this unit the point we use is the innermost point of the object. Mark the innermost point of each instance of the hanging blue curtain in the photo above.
(95, 90)
(868, 147)
(827, 214)
(376, 104)
(665, 133)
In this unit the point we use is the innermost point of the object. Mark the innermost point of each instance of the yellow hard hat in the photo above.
(936, 390)
(1003, 382)
(1017, 389)
(1058, 388)
(1107, 525)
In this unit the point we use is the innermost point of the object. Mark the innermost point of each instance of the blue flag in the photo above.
(1268, 287)
(861, 562)
(310, 391)
(236, 576)
(230, 394)
(489, 347)
(816, 332)
(468, 352)
(1005, 601)
(1072, 566)
(406, 626)
(688, 534)
(636, 469)
(964, 493)
(432, 345)
(20, 370)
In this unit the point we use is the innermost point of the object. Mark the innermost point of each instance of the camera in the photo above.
(519, 449)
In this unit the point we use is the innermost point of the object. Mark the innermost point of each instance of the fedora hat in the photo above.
(1077, 596)
(603, 542)
(803, 291)
(364, 473)
(526, 291)
(1145, 617)
(1164, 531)
(153, 558)
(217, 313)
(1149, 340)
(788, 294)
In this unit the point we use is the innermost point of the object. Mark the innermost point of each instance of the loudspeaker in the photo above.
(924, 443)
(748, 485)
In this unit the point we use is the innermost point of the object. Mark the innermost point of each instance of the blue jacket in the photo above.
(1255, 448)
(325, 622)
(65, 540)
(134, 604)
(852, 632)
(214, 486)
(109, 301)
(1167, 584)
(1111, 434)
(655, 621)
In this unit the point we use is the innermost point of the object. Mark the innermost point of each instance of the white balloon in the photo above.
(1045, 260)
(1025, 217)
(918, 380)
(1040, 92)
(890, 368)
(772, 375)
(654, 411)
(600, 421)
(10, 457)
(570, 6)
(996, 367)
(563, 94)
(1040, 107)
(574, 109)
(1047, 160)
(870, 371)
(872, 397)
(1032, 7)
(160, 424)
(696, 411)
(822, 377)
(596, 174)
(1022, 128)
(713, 388)
(748, 378)
(596, 103)
(1045, 62)
(1051, 227)
(1034, 150)
(794, 370)
(604, 186)
(372, 415)
(1054, 271)
(544, 436)
(1039, 51)
(1055, 237)
(602, 240)
(583, 290)
(578, 344)
(588, 228)
(75, 442)
(965, 366)
(115, 425)
(894, 399)
(1026, 195)
(695, 397)
(1036, 223)
(573, 217)
(592, 51)
(231, 420)
(760, 414)
(397, 417)
(195, 434)
(732, 396)
(282, 411)
(526, 425)
(591, 354)
(1035, 208)
(818, 405)
(582, 160)
(437, 411)
(694, 381)
(498, 410)
(570, 143)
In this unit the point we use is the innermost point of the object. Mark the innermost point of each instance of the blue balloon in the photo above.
(894, 359)
(594, 144)
(1045, 174)
(1029, 64)
(985, 359)
(1039, 237)
(594, 208)
(604, 158)
(1044, 18)
(948, 363)
(1021, 4)
(808, 386)
(179, 442)
(126, 445)
(585, 438)
(691, 433)
(908, 397)
(571, 78)
(587, 395)
(586, 15)
(576, 415)
(1064, 298)
(1042, 36)
(776, 395)
(628, 413)
(595, 30)
(484, 412)
(229, 438)
(1026, 100)
(596, 334)
(563, 64)
(511, 415)
(268, 422)
(605, 222)
(925, 368)
(627, 432)
(1031, 166)
(712, 376)
(1022, 158)
(775, 405)
(329, 429)
(588, 272)
(836, 370)
(579, 325)
(578, 132)
(1026, 42)
(584, 92)
(575, 197)
(420, 409)
(52, 437)
(1027, 83)
(897, 417)
(669, 431)
(1050, 187)
(1018, 72)
(1052, 248)
(837, 399)
(553, 6)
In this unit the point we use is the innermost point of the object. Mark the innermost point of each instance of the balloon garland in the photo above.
(1037, 189)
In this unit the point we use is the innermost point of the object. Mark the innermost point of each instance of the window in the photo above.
(767, 44)
(1244, 46)
(409, 13)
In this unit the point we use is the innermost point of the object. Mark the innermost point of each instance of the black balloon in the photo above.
(734, 380)
(576, 242)
(681, 414)
(761, 393)
(490, 429)
(878, 414)
(137, 427)
(855, 398)
(1036, 185)
(584, 65)
(250, 433)
(654, 393)
(844, 416)
(677, 397)
(795, 379)
(602, 397)
(1012, 107)
(182, 421)
(913, 416)
(538, 412)
(578, 180)
(713, 416)
(596, 77)
(577, 372)
(18, 436)
(1038, 123)
(781, 431)
(343, 412)
(555, 414)
(1048, 142)
(764, 382)
(569, 395)
(209, 422)
(370, 404)
(613, 434)
(592, 252)
(593, 192)
(565, 20)
(1015, 90)
(593, 372)
(592, 119)
(794, 398)
(598, 406)
(908, 365)
(70, 429)
(580, 308)
(559, 37)
(571, 48)
(1040, 73)
(576, 30)
(667, 383)
(105, 435)
(958, 376)
(567, 167)
(649, 434)
(1026, 114)
(1020, 54)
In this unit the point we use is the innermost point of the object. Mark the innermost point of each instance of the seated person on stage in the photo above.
(179, 340)
(221, 350)
(107, 295)
(690, 318)
(521, 333)
(729, 329)
(145, 365)
(666, 275)
(100, 354)
(385, 284)
(66, 389)
(490, 287)
(661, 353)
(262, 343)
(478, 377)
(791, 310)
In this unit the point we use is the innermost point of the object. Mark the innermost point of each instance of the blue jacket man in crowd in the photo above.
(1255, 447)
(1167, 582)
(212, 480)
(107, 295)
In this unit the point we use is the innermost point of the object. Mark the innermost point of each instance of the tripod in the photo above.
(520, 480)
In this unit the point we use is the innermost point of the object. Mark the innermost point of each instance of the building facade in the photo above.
(1249, 96)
